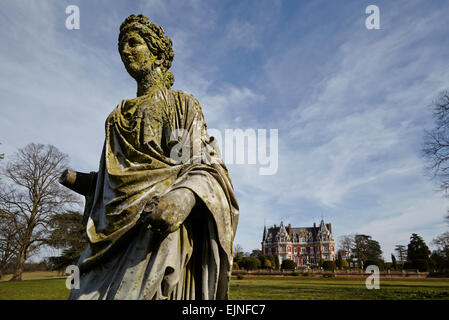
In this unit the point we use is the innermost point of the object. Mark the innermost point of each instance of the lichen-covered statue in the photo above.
(158, 227)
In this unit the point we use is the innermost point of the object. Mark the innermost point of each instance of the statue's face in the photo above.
(136, 56)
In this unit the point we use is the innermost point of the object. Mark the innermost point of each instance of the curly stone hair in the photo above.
(159, 45)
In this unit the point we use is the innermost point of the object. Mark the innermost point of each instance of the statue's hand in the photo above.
(168, 212)
(82, 183)
(68, 177)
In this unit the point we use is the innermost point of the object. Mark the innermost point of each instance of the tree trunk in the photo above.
(19, 266)
(2, 266)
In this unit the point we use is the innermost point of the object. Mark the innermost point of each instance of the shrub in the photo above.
(267, 264)
(408, 265)
(329, 265)
(250, 263)
(288, 264)
(378, 263)
(421, 264)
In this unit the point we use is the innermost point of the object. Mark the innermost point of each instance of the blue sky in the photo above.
(350, 104)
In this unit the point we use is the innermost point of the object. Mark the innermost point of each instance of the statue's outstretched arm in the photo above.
(79, 182)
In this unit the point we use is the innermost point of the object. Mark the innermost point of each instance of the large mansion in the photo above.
(306, 246)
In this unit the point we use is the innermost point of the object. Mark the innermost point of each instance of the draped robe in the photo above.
(126, 259)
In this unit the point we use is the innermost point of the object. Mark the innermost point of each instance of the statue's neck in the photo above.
(150, 83)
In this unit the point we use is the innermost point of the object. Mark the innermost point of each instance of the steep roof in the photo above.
(310, 234)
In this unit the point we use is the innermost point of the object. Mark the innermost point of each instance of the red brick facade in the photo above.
(306, 246)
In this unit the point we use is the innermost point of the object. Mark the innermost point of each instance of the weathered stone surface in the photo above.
(157, 228)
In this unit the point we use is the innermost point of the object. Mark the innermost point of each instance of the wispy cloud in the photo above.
(350, 104)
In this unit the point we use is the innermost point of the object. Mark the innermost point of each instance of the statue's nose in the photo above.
(125, 50)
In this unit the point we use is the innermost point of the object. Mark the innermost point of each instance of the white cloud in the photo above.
(357, 135)
(350, 105)
(423, 214)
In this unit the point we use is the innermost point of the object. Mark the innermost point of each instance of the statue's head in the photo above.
(144, 48)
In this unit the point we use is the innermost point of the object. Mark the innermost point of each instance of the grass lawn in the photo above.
(305, 288)
(39, 285)
(50, 286)
(49, 289)
(36, 275)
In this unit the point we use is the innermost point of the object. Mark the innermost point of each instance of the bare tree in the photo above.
(442, 244)
(8, 244)
(33, 197)
(238, 250)
(345, 244)
(435, 147)
(442, 241)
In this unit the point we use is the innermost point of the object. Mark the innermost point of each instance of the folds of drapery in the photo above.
(137, 164)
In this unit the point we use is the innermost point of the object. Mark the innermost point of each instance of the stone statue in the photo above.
(157, 227)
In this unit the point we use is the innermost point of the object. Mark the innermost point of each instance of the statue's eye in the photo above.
(133, 42)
